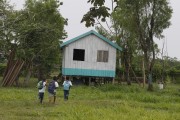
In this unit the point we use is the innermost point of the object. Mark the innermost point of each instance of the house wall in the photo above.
(91, 44)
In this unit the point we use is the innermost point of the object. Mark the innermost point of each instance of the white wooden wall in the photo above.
(91, 44)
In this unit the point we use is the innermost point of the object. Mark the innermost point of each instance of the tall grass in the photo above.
(106, 102)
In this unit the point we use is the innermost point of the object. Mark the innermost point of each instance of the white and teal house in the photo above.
(89, 55)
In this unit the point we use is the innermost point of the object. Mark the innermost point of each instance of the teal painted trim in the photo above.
(88, 33)
(88, 72)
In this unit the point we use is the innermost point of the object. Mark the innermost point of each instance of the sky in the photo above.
(75, 9)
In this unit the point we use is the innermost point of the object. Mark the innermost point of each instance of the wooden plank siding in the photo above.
(91, 44)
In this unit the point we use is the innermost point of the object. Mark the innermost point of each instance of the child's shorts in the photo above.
(51, 95)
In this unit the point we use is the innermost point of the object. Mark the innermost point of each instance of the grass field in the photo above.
(106, 102)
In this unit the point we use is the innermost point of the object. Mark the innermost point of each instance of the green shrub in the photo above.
(2, 69)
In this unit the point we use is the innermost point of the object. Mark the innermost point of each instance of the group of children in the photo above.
(52, 86)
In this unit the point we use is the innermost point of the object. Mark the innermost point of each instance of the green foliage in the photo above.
(174, 73)
(142, 20)
(99, 11)
(6, 30)
(34, 33)
(89, 17)
(2, 68)
(39, 28)
(171, 69)
(42, 28)
(134, 26)
(157, 71)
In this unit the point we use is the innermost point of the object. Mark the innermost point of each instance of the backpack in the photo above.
(40, 85)
(51, 87)
(66, 85)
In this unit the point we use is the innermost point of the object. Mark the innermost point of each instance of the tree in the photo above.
(146, 18)
(6, 21)
(150, 18)
(98, 11)
(40, 31)
(37, 30)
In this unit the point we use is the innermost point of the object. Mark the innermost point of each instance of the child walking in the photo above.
(42, 87)
(66, 86)
(53, 85)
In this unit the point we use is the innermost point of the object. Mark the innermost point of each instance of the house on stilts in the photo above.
(89, 58)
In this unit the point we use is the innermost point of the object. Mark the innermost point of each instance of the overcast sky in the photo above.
(75, 9)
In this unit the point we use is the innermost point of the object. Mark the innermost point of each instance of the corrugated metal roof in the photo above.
(89, 33)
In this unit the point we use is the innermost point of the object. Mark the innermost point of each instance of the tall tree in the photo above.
(40, 29)
(146, 18)
(37, 31)
(7, 34)
(149, 19)
(6, 21)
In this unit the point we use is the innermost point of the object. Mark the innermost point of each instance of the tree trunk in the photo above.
(150, 85)
(151, 64)
(144, 74)
(17, 81)
(127, 66)
(127, 76)
(41, 73)
(27, 78)
(134, 74)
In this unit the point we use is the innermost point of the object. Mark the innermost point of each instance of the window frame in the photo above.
(102, 55)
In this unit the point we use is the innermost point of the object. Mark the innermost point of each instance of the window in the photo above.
(78, 54)
(102, 56)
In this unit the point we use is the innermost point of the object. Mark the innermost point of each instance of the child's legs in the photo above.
(54, 97)
(41, 96)
(65, 94)
(51, 96)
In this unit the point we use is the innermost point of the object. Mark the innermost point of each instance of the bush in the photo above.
(2, 69)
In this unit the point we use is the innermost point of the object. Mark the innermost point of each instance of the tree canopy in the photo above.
(142, 19)
(36, 33)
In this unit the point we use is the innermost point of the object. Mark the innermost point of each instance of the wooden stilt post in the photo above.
(113, 81)
(89, 81)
